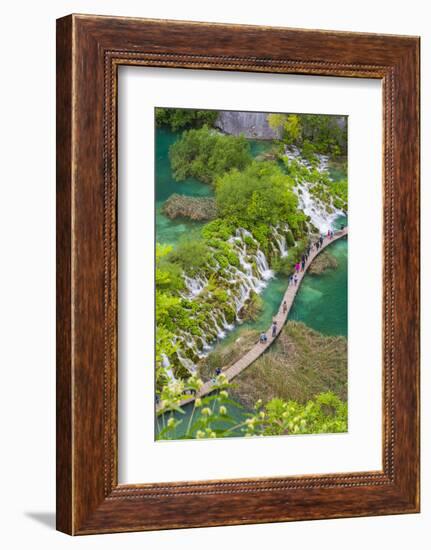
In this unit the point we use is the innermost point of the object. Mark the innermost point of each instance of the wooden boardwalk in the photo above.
(289, 296)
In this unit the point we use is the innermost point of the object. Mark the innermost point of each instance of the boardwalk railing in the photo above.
(280, 319)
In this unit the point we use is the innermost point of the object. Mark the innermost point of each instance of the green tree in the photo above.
(326, 413)
(327, 133)
(205, 155)
(289, 125)
(191, 253)
(260, 194)
(165, 301)
(276, 120)
(177, 119)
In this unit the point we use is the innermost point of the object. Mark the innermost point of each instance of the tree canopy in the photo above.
(290, 125)
(261, 193)
(177, 119)
(205, 154)
(326, 134)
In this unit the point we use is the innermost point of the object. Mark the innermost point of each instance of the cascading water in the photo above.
(186, 362)
(250, 276)
(316, 209)
(280, 239)
(195, 285)
(166, 364)
(322, 215)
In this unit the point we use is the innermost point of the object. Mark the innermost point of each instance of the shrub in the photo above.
(260, 194)
(191, 253)
(177, 119)
(205, 155)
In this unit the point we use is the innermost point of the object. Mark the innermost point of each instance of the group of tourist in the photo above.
(318, 244)
(263, 338)
(293, 279)
(300, 266)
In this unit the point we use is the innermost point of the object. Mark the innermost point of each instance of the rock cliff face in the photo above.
(251, 125)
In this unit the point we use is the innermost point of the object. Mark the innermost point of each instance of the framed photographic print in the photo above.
(237, 274)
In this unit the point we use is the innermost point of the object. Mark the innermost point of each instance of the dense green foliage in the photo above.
(191, 253)
(338, 189)
(324, 414)
(212, 417)
(289, 125)
(205, 154)
(165, 301)
(177, 119)
(326, 134)
(286, 265)
(261, 193)
(258, 197)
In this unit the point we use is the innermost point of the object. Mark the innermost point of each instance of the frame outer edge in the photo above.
(64, 300)
(81, 508)
(407, 273)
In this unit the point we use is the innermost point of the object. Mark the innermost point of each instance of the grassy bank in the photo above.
(300, 365)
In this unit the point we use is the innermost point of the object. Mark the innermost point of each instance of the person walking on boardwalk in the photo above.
(263, 338)
(321, 240)
(274, 329)
(290, 280)
(297, 267)
(302, 265)
(295, 279)
(284, 307)
(216, 373)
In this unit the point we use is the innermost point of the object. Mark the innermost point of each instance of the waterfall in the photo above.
(220, 332)
(186, 362)
(263, 267)
(166, 364)
(316, 209)
(280, 239)
(195, 285)
(322, 215)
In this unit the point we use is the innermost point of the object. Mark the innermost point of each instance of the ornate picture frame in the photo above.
(89, 51)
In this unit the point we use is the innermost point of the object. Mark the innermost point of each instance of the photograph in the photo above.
(251, 273)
